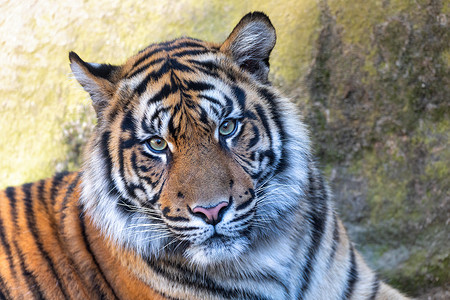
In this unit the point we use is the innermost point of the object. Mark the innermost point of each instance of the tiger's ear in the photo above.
(97, 79)
(250, 44)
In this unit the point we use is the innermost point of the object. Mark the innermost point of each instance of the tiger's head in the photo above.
(195, 153)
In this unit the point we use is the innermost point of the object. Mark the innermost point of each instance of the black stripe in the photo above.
(31, 223)
(184, 276)
(148, 126)
(336, 239)
(198, 86)
(245, 204)
(178, 66)
(177, 228)
(56, 181)
(194, 43)
(265, 122)
(176, 219)
(145, 56)
(137, 168)
(128, 186)
(212, 100)
(228, 107)
(32, 283)
(162, 47)
(69, 191)
(240, 96)
(144, 67)
(263, 174)
(127, 123)
(207, 68)
(209, 65)
(191, 52)
(163, 93)
(7, 248)
(243, 216)
(29, 277)
(237, 136)
(4, 291)
(3, 240)
(154, 75)
(89, 250)
(101, 70)
(215, 112)
(375, 288)
(275, 111)
(352, 276)
(11, 194)
(41, 196)
(155, 197)
(165, 296)
(255, 139)
(104, 147)
(318, 218)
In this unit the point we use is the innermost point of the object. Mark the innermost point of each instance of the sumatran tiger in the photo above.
(198, 183)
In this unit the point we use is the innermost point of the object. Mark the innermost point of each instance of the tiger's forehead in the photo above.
(177, 87)
(167, 71)
(184, 55)
(180, 48)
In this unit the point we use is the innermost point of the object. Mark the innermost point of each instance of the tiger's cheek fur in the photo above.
(138, 175)
(255, 149)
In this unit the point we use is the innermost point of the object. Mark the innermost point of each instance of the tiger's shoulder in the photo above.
(30, 238)
(50, 250)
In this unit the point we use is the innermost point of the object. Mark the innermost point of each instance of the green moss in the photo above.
(423, 268)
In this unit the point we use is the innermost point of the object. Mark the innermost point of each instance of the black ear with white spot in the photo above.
(98, 80)
(250, 44)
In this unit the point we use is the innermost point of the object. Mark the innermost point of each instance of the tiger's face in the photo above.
(190, 146)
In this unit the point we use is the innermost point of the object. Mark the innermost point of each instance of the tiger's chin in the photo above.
(216, 250)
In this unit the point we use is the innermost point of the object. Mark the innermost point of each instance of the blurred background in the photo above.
(370, 77)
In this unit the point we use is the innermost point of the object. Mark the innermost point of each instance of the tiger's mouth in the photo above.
(216, 249)
(217, 239)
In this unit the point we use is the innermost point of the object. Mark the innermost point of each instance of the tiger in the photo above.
(198, 182)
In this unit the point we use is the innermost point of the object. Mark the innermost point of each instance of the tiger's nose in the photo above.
(213, 214)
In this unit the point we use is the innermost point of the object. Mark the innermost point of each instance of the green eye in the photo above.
(227, 127)
(157, 144)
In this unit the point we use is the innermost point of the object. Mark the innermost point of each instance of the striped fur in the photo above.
(124, 227)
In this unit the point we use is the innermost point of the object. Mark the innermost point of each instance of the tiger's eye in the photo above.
(227, 127)
(157, 144)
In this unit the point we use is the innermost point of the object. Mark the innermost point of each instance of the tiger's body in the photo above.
(198, 183)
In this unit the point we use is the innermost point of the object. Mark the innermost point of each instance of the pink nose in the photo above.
(210, 214)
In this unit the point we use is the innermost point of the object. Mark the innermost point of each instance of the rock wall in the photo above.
(371, 78)
(378, 106)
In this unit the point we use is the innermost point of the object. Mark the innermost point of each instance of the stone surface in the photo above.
(371, 79)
